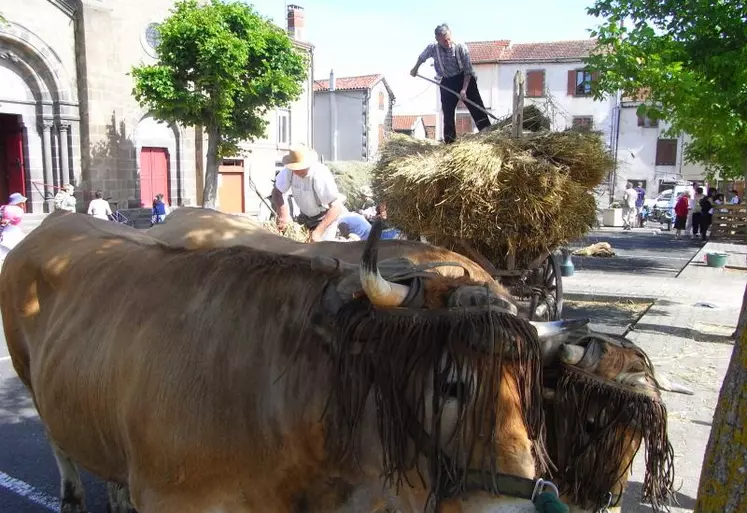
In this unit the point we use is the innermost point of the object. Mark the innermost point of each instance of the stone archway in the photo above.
(36, 89)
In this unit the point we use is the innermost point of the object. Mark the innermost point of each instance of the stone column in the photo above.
(64, 127)
(47, 125)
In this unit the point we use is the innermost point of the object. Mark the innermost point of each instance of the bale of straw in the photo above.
(497, 194)
(293, 231)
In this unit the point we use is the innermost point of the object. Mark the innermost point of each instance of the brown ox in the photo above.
(241, 380)
(612, 359)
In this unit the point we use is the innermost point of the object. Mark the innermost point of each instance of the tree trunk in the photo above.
(723, 478)
(210, 192)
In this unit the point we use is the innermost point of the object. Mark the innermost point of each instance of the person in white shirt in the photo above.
(630, 213)
(314, 191)
(99, 207)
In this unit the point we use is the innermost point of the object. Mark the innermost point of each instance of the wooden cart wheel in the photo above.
(547, 295)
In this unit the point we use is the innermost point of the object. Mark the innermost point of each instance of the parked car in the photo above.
(661, 201)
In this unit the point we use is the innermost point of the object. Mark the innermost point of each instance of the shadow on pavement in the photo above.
(632, 500)
(687, 333)
(607, 316)
(25, 454)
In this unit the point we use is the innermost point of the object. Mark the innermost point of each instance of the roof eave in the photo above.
(556, 60)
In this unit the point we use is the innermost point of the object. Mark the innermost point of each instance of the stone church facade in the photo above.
(67, 114)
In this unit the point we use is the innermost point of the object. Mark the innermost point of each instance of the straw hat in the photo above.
(300, 157)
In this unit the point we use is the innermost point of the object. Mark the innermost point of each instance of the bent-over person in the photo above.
(314, 191)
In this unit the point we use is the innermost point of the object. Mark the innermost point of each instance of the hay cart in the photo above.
(537, 284)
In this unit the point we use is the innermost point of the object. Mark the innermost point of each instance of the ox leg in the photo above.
(119, 498)
(71, 487)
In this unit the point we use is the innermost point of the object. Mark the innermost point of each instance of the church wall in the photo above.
(111, 40)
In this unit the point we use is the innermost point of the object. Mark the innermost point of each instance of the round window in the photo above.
(151, 39)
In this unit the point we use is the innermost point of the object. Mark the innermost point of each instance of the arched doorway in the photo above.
(12, 162)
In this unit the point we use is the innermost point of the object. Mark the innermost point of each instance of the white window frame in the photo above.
(283, 127)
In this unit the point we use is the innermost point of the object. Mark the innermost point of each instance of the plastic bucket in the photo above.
(716, 259)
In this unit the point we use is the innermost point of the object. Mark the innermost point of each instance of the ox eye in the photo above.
(454, 390)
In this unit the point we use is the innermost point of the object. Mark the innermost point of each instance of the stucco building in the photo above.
(352, 115)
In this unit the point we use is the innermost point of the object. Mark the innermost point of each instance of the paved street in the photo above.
(639, 251)
(684, 339)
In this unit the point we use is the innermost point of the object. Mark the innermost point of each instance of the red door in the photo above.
(154, 175)
(12, 166)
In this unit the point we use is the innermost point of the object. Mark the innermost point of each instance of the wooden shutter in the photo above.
(594, 81)
(535, 83)
(571, 82)
(666, 152)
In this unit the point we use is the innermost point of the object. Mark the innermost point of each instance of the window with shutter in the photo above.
(535, 83)
(381, 100)
(647, 122)
(666, 152)
(571, 82)
(583, 81)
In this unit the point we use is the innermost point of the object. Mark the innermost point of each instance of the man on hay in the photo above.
(454, 66)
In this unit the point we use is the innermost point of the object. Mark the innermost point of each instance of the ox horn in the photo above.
(553, 328)
(379, 291)
(665, 383)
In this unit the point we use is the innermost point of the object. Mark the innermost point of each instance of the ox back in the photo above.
(143, 360)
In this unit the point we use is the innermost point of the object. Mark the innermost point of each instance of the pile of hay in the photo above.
(353, 179)
(497, 194)
(293, 231)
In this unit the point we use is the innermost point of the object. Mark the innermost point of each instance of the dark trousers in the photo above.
(696, 222)
(705, 223)
(449, 103)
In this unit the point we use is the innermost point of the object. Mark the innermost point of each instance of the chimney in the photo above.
(295, 22)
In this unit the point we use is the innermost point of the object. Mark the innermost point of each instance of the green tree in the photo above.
(221, 66)
(690, 59)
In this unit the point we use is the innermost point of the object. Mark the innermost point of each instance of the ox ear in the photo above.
(474, 295)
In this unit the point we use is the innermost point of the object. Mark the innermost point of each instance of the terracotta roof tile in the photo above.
(639, 96)
(404, 122)
(349, 83)
(549, 51)
(429, 120)
(486, 51)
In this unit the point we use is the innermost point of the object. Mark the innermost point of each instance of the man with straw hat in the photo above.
(314, 190)
(454, 66)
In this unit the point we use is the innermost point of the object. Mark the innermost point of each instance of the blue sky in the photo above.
(386, 36)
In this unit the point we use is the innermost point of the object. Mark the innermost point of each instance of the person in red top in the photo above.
(680, 214)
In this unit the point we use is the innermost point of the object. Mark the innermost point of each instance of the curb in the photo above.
(583, 296)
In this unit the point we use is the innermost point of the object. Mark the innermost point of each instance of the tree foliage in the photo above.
(222, 66)
(689, 58)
